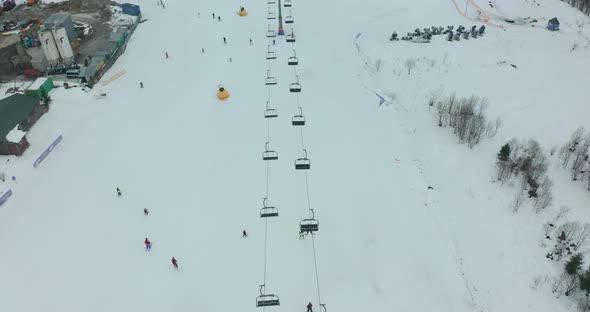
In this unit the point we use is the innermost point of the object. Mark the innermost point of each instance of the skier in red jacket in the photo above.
(148, 244)
(174, 263)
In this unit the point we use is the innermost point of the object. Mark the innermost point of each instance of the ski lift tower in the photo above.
(281, 32)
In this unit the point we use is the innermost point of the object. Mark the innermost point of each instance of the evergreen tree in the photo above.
(504, 152)
(585, 281)
(572, 274)
(574, 265)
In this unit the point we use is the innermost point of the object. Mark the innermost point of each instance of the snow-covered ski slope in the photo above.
(385, 243)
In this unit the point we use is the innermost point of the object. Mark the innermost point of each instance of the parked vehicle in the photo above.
(33, 73)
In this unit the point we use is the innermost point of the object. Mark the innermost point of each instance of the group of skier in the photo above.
(147, 242)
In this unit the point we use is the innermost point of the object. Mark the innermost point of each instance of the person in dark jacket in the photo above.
(309, 307)
(174, 263)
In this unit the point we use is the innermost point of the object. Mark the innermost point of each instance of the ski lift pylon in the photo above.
(269, 154)
(270, 112)
(299, 119)
(303, 163)
(270, 81)
(309, 225)
(295, 86)
(268, 211)
(266, 300)
(293, 60)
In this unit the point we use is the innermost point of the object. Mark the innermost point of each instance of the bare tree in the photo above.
(410, 64)
(563, 210)
(441, 109)
(579, 238)
(518, 200)
(566, 151)
(433, 97)
(580, 156)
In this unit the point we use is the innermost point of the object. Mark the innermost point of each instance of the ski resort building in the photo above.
(18, 113)
(553, 24)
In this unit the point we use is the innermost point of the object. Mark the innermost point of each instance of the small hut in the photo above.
(553, 24)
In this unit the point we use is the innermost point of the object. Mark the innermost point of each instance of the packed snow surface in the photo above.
(386, 241)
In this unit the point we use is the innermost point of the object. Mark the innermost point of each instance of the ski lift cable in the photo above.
(265, 248)
(317, 276)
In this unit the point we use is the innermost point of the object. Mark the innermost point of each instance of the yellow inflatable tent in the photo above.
(242, 12)
(222, 94)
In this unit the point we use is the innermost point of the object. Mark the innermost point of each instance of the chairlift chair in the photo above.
(291, 37)
(295, 86)
(293, 60)
(266, 300)
(271, 55)
(271, 2)
(270, 33)
(269, 154)
(270, 81)
(268, 211)
(270, 112)
(299, 119)
(271, 15)
(289, 19)
(287, 3)
(309, 225)
(303, 163)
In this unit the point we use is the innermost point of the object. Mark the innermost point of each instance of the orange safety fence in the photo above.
(115, 77)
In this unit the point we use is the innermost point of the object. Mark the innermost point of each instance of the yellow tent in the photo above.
(222, 94)
(242, 12)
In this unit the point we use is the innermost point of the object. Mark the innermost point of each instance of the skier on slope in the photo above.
(141, 85)
(166, 54)
(244, 233)
(148, 244)
(309, 307)
(118, 192)
(224, 40)
(146, 212)
(174, 263)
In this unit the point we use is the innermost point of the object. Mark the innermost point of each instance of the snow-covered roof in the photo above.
(15, 135)
(37, 83)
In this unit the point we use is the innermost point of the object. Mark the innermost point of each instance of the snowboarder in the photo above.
(244, 233)
(250, 41)
(219, 18)
(118, 192)
(166, 54)
(141, 85)
(273, 42)
(174, 263)
(202, 50)
(309, 307)
(230, 59)
(146, 212)
(213, 15)
(224, 40)
(148, 244)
